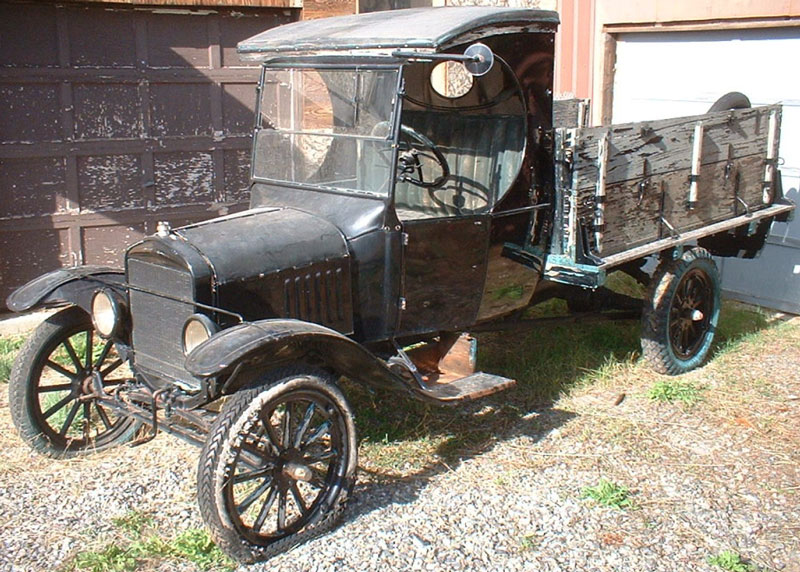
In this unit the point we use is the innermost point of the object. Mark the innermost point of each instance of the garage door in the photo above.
(114, 118)
(662, 75)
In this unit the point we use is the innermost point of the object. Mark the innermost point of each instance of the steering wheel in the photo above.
(409, 165)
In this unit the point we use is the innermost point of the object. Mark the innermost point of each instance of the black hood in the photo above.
(262, 263)
(263, 241)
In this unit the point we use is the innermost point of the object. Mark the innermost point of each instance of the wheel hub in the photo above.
(297, 471)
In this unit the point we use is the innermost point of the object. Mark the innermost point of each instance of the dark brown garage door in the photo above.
(114, 118)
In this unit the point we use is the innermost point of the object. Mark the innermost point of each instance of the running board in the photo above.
(467, 388)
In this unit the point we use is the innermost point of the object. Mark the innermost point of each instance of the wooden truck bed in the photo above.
(630, 190)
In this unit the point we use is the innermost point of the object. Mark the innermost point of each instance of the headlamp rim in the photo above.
(208, 324)
(115, 309)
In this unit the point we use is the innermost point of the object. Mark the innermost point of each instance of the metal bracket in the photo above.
(154, 407)
(744, 204)
(697, 158)
(644, 183)
(674, 233)
(402, 360)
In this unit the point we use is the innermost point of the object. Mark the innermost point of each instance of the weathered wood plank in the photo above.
(667, 144)
(570, 112)
(633, 213)
(649, 248)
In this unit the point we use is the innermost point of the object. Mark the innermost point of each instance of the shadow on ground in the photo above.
(406, 443)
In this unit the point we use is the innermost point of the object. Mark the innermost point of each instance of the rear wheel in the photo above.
(681, 313)
(278, 464)
(51, 388)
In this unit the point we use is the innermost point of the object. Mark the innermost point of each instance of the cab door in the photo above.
(444, 267)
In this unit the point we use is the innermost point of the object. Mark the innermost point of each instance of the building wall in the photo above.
(586, 43)
(116, 117)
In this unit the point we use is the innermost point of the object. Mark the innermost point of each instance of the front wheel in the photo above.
(681, 313)
(51, 388)
(278, 464)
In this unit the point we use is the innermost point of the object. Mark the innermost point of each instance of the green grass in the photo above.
(192, 545)
(670, 391)
(609, 494)
(548, 362)
(730, 561)
(78, 343)
(9, 346)
(134, 522)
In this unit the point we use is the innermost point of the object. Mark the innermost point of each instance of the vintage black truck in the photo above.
(408, 187)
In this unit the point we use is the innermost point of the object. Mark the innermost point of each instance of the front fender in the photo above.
(65, 286)
(267, 343)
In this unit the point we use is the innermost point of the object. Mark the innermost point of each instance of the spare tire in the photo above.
(732, 100)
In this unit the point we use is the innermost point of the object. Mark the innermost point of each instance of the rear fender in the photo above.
(255, 347)
(66, 286)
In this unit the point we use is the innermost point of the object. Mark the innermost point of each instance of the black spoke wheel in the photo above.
(51, 390)
(278, 464)
(681, 313)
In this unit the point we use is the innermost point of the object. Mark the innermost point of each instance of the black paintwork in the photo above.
(75, 285)
(417, 28)
(336, 278)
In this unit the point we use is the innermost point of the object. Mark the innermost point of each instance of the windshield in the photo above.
(327, 128)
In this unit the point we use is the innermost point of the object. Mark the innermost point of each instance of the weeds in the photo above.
(134, 522)
(669, 391)
(527, 542)
(111, 558)
(608, 493)
(730, 561)
(9, 346)
(191, 545)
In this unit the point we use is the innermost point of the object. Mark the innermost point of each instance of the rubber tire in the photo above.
(731, 100)
(23, 382)
(656, 346)
(235, 412)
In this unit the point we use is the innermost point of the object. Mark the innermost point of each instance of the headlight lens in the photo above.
(105, 313)
(198, 328)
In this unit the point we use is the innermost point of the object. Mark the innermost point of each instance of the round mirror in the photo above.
(451, 79)
(484, 59)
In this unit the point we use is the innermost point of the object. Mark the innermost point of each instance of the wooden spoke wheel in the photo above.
(51, 388)
(681, 313)
(278, 464)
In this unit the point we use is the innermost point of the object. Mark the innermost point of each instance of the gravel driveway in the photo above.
(723, 475)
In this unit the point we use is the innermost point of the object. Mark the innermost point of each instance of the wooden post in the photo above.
(697, 157)
(600, 192)
(772, 154)
(583, 113)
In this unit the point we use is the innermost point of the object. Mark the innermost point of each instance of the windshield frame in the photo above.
(354, 65)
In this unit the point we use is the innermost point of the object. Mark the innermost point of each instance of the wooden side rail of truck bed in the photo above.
(630, 190)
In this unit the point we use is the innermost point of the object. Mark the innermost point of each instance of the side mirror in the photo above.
(480, 59)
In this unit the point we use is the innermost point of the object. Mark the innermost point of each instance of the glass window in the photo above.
(478, 126)
(326, 128)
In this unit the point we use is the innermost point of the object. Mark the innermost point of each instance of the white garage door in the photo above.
(661, 75)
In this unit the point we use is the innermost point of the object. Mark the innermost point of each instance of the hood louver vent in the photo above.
(319, 295)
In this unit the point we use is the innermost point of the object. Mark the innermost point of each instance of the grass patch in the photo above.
(9, 346)
(608, 493)
(739, 321)
(134, 522)
(730, 561)
(192, 545)
(669, 391)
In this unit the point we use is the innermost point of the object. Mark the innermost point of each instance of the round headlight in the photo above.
(105, 313)
(198, 328)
